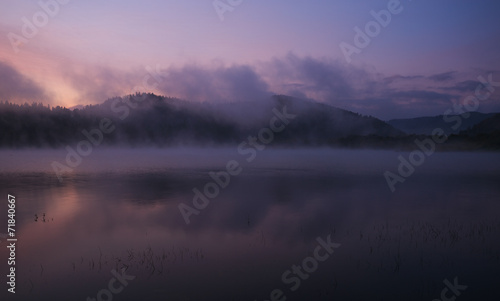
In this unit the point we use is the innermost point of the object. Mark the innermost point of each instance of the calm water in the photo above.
(119, 210)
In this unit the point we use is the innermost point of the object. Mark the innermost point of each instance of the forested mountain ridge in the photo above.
(425, 125)
(148, 119)
(158, 121)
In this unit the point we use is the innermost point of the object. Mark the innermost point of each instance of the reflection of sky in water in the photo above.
(437, 225)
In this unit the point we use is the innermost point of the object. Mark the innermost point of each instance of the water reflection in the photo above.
(393, 245)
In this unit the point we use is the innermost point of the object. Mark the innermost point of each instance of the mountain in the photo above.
(151, 120)
(425, 125)
(79, 107)
(483, 136)
(488, 126)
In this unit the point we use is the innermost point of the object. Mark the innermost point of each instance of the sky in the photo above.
(421, 57)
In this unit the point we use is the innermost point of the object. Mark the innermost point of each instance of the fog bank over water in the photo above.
(121, 207)
(343, 161)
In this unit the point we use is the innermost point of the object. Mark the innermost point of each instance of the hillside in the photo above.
(425, 125)
(487, 126)
(151, 120)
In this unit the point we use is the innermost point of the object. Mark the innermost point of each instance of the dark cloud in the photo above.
(363, 90)
(441, 77)
(396, 78)
(390, 104)
(358, 89)
(217, 84)
(464, 86)
(17, 87)
(190, 82)
(422, 96)
(322, 79)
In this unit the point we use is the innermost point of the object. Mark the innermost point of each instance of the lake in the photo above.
(304, 224)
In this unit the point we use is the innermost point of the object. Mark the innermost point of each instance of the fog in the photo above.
(342, 161)
(151, 120)
(356, 88)
(120, 208)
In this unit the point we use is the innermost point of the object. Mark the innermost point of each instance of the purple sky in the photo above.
(427, 58)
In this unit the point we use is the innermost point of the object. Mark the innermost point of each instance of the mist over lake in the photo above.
(120, 210)
(249, 150)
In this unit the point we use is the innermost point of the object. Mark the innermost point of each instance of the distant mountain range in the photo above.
(151, 120)
(485, 127)
(425, 125)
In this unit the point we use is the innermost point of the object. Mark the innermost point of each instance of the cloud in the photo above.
(397, 78)
(214, 84)
(322, 79)
(441, 77)
(192, 82)
(17, 87)
(361, 89)
(356, 88)
(465, 86)
(422, 96)
(403, 104)
(94, 84)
